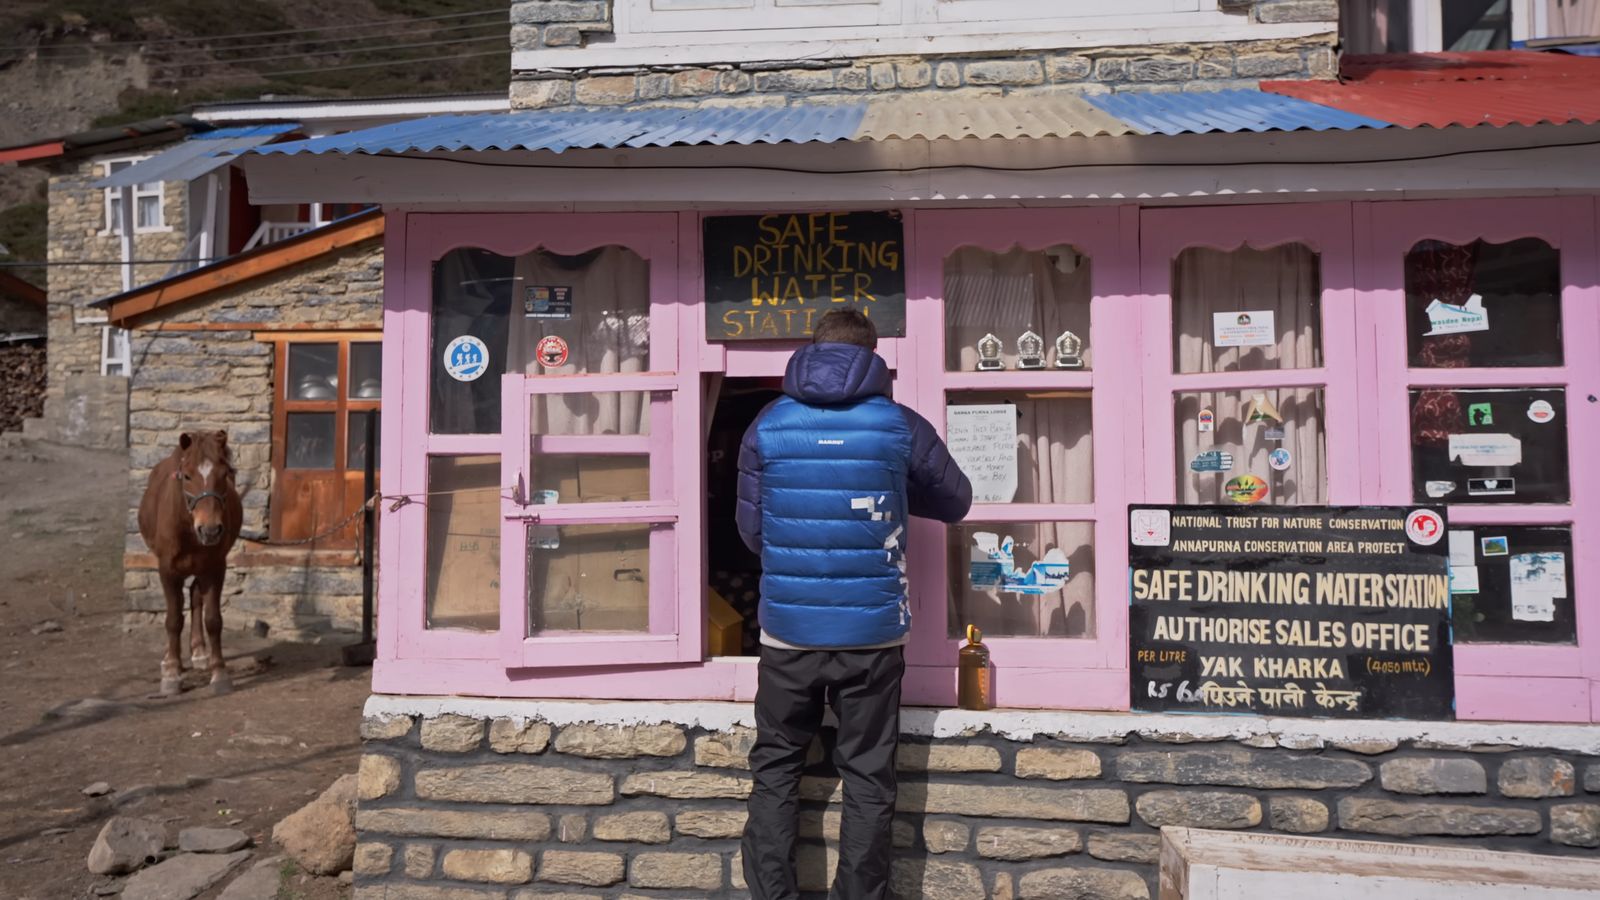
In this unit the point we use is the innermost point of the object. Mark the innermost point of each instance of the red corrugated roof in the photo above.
(1437, 90)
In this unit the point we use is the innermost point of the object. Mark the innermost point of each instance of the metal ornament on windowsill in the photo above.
(1069, 351)
(989, 348)
(1030, 351)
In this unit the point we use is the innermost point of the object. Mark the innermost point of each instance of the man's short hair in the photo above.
(846, 326)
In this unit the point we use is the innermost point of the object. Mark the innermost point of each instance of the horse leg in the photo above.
(211, 595)
(172, 662)
(198, 657)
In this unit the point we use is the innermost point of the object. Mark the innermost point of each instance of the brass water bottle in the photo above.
(974, 687)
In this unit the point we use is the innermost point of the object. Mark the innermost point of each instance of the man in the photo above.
(827, 476)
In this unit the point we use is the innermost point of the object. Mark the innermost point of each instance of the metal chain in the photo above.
(325, 532)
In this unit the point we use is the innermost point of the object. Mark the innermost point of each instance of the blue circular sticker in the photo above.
(1279, 459)
(466, 358)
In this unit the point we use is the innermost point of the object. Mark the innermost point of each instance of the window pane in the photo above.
(1512, 584)
(1489, 445)
(463, 578)
(538, 313)
(1008, 294)
(1246, 309)
(1483, 304)
(588, 578)
(1256, 446)
(309, 441)
(588, 478)
(313, 371)
(366, 371)
(356, 441)
(1024, 446)
(114, 212)
(611, 412)
(1007, 579)
(148, 209)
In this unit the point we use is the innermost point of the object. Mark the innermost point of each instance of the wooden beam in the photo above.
(244, 267)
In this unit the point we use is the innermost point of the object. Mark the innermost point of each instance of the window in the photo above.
(148, 201)
(116, 351)
(327, 387)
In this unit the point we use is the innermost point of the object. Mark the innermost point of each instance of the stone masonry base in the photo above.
(521, 800)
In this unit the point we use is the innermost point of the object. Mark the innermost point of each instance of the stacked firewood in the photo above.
(22, 376)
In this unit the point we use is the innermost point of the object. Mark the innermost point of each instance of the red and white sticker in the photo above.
(551, 351)
(1425, 527)
(1541, 411)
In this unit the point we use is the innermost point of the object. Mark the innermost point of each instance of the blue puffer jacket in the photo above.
(827, 475)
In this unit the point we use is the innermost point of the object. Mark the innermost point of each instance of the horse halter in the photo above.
(194, 500)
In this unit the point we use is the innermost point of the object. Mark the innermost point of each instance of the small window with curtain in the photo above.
(149, 213)
(1246, 309)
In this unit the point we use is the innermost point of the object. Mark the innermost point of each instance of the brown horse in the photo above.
(189, 517)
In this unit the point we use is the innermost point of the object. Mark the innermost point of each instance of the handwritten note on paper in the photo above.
(1538, 580)
(983, 441)
(1486, 449)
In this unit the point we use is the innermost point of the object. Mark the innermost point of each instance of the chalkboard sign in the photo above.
(773, 277)
(1340, 612)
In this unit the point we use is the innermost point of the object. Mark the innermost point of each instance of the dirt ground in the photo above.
(77, 704)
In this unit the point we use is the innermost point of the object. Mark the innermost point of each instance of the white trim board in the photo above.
(1025, 725)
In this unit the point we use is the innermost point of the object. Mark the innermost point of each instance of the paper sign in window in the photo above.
(1538, 580)
(1249, 328)
(1448, 318)
(1491, 449)
(983, 442)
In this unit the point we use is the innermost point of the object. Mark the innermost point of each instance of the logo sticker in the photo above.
(466, 358)
(1491, 487)
(1541, 411)
(1437, 489)
(551, 352)
(1448, 318)
(1212, 461)
(1272, 434)
(1245, 489)
(1424, 527)
(1150, 527)
(1483, 414)
(1206, 421)
(1494, 546)
(1279, 459)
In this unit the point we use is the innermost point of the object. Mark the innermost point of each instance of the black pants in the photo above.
(863, 686)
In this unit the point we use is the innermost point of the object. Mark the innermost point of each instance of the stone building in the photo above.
(217, 348)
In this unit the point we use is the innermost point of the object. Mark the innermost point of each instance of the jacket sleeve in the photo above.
(747, 512)
(937, 488)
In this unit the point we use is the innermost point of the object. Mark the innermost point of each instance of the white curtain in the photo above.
(1284, 280)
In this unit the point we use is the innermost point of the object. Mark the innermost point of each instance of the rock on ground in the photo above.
(182, 877)
(126, 843)
(259, 883)
(98, 789)
(212, 840)
(321, 835)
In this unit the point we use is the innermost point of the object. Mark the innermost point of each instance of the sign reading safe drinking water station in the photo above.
(773, 277)
(1290, 611)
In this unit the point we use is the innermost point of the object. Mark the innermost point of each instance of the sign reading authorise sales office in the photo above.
(773, 277)
(1290, 611)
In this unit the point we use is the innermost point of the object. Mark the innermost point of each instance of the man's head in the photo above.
(846, 326)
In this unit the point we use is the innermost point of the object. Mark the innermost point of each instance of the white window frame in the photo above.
(116, 351)
(157, 189)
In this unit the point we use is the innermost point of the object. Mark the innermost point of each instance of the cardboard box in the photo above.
(463, 580)
(725, 627)
(597, 580)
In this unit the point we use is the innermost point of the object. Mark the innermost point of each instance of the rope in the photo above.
(399, 500)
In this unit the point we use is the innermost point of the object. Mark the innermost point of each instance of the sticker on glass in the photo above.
(1494, 546)
(1246, 489)
(1541, 411)
(1211, 461)
(1538, 580)
(1480, 414)
(993, 566)
(1461, 548)
(1250, 328)
(547, 301)
(1150, 527)
(551, 351)
(1279, 459)
(1491, 487)
(1463, 579)
(1206, 421)
(1272, 433)
(1424, 527)
(1448, 318)
(1260, 409)
(1492, 449)
(1437, 489)
(466, 358)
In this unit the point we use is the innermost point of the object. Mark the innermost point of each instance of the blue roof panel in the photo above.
(1225, 111)
(234, 132)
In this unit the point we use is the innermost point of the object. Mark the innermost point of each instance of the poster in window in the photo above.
(773, 277)
(1334, 612)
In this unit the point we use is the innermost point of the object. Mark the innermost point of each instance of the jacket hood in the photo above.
(835, 373)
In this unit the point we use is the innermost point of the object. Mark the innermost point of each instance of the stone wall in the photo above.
(569, 23)
(82, 407)
(190, 380)
(505, 802)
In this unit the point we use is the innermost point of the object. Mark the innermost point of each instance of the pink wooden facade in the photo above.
(1364, 378)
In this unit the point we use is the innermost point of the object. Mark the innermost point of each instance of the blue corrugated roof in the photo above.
(1226, 111)
(568, 129)
(234, 132)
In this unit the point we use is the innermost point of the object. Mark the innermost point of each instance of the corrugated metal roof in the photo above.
(1225, 111)
(1439, 90)
(1016, 116)
(194, 157)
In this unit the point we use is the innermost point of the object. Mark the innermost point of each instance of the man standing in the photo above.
(827, 475)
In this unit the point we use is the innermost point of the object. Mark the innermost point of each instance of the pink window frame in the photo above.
(421, 240)
(1031, 672)
(1528, 682)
